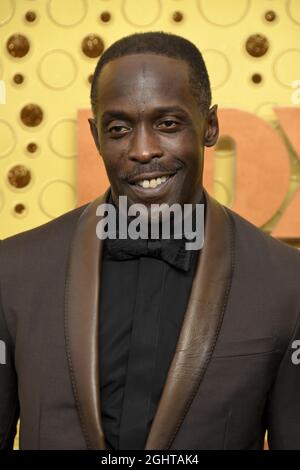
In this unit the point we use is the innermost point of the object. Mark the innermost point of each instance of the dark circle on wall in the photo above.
(31, 115)
(177, 16)
(30, 16)
(17, 45)
(105, 17)
(256, 78)
(19, 208)
(32, 147)
(19, 176)
(226, 145)
(90, 78)
(257, 45)
(270, 15)
(18, 78)
(92, 46)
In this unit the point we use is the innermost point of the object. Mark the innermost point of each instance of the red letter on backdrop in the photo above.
(261, 162)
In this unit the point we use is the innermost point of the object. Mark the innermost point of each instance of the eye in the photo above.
(169, 123)
(116, 130)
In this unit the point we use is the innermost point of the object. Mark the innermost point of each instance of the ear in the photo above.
(212, 129)
(94, 132)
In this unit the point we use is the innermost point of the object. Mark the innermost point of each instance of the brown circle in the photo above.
(90, 77)
(19, 176)
(17, 45)
(19, 208)
(270, 15)
(256, 78)
(18, 78)
(32, 147)
(177, 16)
(30, 16)
(31, 115)
(105, 17)
(92, 46)
(257, 45)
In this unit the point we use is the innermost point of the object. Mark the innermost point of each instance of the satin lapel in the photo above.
(201, 325)
(81, 322)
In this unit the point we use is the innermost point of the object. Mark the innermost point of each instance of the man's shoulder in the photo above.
(56, 232)
(261, 246)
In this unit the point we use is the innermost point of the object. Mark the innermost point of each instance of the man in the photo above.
(121, 344)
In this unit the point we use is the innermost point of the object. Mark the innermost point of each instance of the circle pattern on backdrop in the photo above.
(7, 11)
(57, 69)
(57, 138)
(67, 14)
(8, 139)
(60, 189)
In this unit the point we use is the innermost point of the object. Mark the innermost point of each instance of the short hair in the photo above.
(163, 44)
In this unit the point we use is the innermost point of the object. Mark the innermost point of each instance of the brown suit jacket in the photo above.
(231, 377)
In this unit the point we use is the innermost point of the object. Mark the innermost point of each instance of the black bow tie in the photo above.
(171, 250)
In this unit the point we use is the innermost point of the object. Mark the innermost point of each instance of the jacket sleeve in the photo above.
(9, 404)
(283, 406)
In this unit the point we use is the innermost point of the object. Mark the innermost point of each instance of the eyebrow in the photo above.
(119, 114)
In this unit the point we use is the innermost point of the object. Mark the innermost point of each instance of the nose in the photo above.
(144, 145)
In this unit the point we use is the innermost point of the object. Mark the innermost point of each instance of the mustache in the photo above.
(158, 166)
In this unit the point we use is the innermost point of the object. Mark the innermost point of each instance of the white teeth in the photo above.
(153, 183)
(145, 183)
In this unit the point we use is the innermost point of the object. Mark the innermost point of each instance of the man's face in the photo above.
(149, 130)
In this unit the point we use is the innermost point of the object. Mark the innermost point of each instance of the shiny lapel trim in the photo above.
(82, 324)
(201, 325)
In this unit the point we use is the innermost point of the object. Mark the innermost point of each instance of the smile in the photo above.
(153, 183)
(152, 186)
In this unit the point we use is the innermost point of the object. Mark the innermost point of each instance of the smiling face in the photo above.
(149, 130)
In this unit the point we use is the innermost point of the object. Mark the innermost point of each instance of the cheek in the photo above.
(110, 159)
(192, 156)
(186, 147)
(113, 153)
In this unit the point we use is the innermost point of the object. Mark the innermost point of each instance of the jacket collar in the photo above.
(198, 335)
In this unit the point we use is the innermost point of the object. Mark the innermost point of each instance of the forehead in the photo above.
(144, 80)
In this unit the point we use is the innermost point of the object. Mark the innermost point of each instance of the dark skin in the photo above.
(142, 141)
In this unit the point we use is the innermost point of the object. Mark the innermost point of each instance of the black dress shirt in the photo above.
(142, 306)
